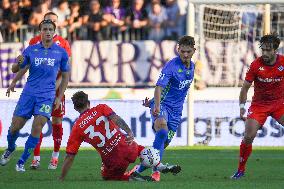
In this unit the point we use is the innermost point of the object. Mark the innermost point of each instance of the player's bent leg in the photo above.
(38, 123)
(57, 132)
(251, 128)
(36, 161)
(13, 134)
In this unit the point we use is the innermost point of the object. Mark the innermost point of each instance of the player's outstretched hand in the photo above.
(57, 102)
(242, 114)
(146, 102)
(10, 88)
(129, 138)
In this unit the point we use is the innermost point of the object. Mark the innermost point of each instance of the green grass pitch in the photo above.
(202, 168)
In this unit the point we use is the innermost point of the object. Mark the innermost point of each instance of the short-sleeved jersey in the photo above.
(175, 79)
(268, 80)
(94, 127)
(44, 64)
(57, 39)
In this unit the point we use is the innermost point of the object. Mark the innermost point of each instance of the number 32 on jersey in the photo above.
(92, 133)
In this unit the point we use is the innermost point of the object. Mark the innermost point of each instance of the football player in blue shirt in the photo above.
(43, 61)
(167, 104)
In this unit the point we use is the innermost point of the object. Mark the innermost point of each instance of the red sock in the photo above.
(245, 151)
(140, 148)
(37, 148)
(57, 133)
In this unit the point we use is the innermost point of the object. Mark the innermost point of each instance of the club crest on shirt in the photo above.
(261, 68)
(280, 68)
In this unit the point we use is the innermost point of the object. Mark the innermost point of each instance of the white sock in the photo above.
(160, 167)
(55, 154)
(37, 158)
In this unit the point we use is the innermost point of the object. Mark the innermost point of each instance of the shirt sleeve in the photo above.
(105, 109)
(26, 58)
(165, 76)
(74, 142)
(251, 73)
(67, 48)
(64, 64)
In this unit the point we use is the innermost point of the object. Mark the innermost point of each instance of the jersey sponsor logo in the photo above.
(280, 68)
(261, 68)
(269, 80)
(47, 61)
(249, 113)
(184, 83)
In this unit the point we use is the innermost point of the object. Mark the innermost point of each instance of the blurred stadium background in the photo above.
(119, 48)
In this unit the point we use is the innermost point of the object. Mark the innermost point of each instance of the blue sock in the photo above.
(141, 168)
(159, 142)
(29, 147)
(12, 140)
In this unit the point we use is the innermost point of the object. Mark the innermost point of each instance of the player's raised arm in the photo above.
(243, 98)
(123, 125)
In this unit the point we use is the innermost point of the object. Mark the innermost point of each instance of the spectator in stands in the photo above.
(26, 10)
(5, 4)
(183, 8)
(157, 19)
(95, 22)
(172, 30)
(137, 19)
(63, 12)
(149, 6)
(75, 20)
(115, 16)
(39, 12)
(12, 21)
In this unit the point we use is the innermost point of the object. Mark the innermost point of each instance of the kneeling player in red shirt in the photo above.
(100, 127)
(267, 73)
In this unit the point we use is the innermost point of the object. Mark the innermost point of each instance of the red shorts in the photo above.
(115, 165)
(260, 111)
(60, 112)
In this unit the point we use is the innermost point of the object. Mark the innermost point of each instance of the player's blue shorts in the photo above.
(29, 105)
(172, 118)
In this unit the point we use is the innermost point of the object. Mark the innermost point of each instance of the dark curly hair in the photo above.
(272, 39)
(80, 100)
(186, 40)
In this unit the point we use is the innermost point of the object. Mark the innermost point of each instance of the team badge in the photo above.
(280, 68)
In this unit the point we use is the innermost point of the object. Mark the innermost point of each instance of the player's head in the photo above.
(269, 45)
(80, 101)
(186, 48)
(51, 16)
(47, 29)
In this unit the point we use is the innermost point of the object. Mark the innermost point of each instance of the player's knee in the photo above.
(56, 120)
(160, 123)
(248, 139)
